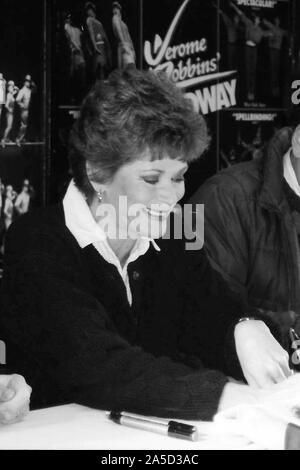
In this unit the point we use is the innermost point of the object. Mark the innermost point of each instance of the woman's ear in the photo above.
(90, 171)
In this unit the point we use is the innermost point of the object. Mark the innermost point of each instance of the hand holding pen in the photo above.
(295, 346)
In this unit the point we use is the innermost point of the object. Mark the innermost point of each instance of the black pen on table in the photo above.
(170, 428)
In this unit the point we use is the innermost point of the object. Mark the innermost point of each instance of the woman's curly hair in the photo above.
(131, 112)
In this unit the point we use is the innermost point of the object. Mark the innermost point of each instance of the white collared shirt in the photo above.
(289, 173)
(86, 231)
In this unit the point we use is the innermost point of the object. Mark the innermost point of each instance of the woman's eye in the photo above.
(179, 180)
(151, 180)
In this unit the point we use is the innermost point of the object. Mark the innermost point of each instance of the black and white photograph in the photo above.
(149, 229)
(21, 113)
(245, 135)
(256, 41)
(91, 40)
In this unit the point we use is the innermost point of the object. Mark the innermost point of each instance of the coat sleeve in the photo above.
(227, 244)
(211, 313)
(67, 335)
(226, 231)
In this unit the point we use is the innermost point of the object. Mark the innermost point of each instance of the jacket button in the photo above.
(135, 275)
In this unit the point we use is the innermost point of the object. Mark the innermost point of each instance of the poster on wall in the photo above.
(183, 42)
(21, 73)
(92, 39)
(21, 111)
(245, 134)
(180, 37)
(255, 41)
(20, 186)
(296, 36)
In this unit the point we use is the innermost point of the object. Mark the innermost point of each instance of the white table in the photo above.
(77, 427)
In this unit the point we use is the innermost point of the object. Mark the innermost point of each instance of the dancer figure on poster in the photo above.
(2, 189)
(229, 159)
(2, 225)
(232, 27)
(23, 100)
(22, 202)
(126, 52)
(8, 210)
(254, 36)
(77, 61)
(100, 49)
(252, 150)
(2, 192)
(12, 91)
(2, 93)
(275, 45)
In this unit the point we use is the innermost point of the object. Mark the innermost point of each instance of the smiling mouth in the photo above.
(161, 215)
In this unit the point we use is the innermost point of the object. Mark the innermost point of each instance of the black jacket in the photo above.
(71, 332)
(251, 236)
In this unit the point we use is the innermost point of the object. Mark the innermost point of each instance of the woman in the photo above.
(94, 310)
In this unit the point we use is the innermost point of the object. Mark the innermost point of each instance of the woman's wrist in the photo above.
(247, 318)
(245, 324)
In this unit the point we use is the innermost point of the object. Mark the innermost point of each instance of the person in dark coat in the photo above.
(252, 227)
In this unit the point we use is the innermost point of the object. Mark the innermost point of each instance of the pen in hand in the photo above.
(295, 345)
(170, 428)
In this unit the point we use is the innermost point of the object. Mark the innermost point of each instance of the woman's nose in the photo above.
(168, 195)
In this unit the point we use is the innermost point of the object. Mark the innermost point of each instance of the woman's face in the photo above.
(143, 194)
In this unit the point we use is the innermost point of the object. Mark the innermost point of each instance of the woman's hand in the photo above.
(14, 398)
(263, 361)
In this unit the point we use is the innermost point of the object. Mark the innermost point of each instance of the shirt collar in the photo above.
(82, 224)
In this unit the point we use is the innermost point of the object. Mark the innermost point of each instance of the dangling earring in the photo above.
(100, 195)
